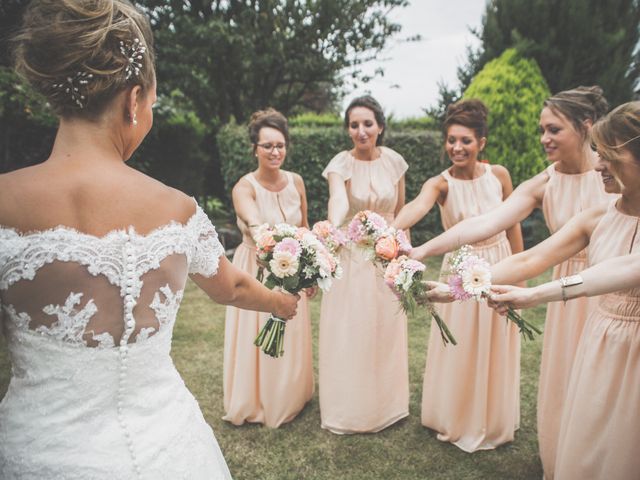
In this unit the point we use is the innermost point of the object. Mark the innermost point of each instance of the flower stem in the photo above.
(271, 337)
(445, 333)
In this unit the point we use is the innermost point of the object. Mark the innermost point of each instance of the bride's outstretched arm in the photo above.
(514, 209)
(232, 286)
(609, 276)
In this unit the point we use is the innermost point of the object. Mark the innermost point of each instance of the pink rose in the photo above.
(387, 247)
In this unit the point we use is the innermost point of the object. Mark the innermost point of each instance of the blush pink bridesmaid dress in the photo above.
(363, 357)
(471, 391)
(257, 387)
(565, 196)
(599, 430)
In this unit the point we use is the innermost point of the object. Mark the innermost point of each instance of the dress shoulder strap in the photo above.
(253, 181)
(551, 170)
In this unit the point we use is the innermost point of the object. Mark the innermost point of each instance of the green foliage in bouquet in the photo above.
(513, 89)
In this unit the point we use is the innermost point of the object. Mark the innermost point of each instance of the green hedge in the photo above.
(313, 147)
(175, 150)
(513, 89)
(28, 125)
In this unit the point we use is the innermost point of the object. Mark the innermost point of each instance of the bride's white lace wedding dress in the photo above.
(88, 320)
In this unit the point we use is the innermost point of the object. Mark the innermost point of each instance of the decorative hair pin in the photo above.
(133, 52)
(73, 86)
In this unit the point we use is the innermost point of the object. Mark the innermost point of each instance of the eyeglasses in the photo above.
(271, 147)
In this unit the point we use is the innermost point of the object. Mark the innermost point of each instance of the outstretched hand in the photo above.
(417, 253)
(438, 292)
(504, 296)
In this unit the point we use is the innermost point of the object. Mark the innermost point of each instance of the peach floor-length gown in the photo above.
(565, 196)
(600, 428)
(471, 391)
(363, 361)
(257, 387)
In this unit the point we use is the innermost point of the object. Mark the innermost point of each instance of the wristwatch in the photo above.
(569, 281)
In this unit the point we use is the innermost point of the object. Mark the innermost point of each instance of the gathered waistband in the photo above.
(620, 306)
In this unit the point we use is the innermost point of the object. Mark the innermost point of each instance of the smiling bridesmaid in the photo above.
(471, 391)
(364, 373)
(258, 388)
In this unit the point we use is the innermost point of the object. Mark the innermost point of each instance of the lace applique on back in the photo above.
(90, 291)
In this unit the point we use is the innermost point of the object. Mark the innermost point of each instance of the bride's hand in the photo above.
(438, 292)
(286, 305)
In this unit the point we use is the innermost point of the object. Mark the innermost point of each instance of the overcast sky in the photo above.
(412, 70)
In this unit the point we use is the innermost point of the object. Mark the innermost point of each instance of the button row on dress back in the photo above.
(129, 304)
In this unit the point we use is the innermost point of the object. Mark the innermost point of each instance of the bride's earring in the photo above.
(134, 121)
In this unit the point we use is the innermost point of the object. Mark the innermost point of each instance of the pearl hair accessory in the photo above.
(133, 52)
(73, 87)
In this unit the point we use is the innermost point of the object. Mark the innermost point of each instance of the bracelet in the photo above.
(569, 281)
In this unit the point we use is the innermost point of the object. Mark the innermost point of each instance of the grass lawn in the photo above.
(301, 449)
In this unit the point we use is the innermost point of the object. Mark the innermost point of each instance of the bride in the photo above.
(94, 258)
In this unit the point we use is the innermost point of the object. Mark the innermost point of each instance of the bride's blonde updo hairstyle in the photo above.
(81, 53)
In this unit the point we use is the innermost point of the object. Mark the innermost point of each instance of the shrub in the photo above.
(313, 147)
(28, 125)
(513, 89)
(311, 119)
(175, 150)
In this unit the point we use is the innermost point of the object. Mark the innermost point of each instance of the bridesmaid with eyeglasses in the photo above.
(257, 387)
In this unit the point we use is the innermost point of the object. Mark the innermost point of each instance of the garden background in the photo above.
(218, 61)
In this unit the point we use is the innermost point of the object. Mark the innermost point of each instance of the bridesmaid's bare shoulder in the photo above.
(501, 172)
(243, 187)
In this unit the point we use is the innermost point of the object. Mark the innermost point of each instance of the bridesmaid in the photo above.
(363, 359)
(599, 432)
(471, 391)
(258, 388)
(568, 186)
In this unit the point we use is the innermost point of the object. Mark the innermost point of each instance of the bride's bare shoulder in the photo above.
(158, 202)
(93, 201)
(12, 187)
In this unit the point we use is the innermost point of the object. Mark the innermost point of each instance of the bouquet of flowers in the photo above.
(470, 277)
(293, 259)
(404, 276)
(381, 243)
(330, 236)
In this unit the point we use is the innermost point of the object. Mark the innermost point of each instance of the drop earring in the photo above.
(134, 121)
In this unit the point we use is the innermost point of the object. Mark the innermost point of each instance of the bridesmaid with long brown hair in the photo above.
(364, 372)
(258, 388)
